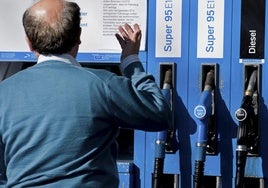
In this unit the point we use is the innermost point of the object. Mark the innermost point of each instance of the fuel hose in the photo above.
(245, 116)
(202, 112)
(160, 142)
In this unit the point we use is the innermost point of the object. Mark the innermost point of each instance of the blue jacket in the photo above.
(59, 123)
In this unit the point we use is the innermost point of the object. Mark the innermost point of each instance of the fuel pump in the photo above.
(246, 134)
(202, 112)
(161, 138)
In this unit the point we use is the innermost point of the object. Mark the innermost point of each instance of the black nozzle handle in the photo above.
(209, 82)
(167, 84)
(251, 84)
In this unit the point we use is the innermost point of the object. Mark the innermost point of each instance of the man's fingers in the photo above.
(123, 32)
(137, 28)
(128, 29)
(128, 34)
(120, 40)
(129, 39)
(137, 31)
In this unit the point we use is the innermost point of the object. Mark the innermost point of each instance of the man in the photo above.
(59, 121)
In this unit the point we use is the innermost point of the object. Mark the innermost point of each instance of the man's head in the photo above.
(52, 26)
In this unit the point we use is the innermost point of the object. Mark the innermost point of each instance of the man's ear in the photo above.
(29, 43)
(79, 36)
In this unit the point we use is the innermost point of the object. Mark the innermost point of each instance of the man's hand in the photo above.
(129, 40)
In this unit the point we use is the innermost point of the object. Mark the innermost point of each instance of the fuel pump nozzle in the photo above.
(202, 112)
(245, 115)
(161, 138)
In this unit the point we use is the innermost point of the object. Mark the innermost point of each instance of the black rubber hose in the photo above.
(158, 173)
(198, 174)
(241, 157)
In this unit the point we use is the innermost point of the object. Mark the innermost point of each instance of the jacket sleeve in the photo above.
(136, 100)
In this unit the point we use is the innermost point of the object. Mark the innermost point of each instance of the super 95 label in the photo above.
(210, 29)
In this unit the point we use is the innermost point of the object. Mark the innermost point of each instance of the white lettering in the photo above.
(169, 38)
(253, 42)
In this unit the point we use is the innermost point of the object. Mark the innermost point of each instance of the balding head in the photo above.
(49, 11)
(52, 26)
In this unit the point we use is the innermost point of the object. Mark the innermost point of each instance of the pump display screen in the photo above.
(99, 22)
